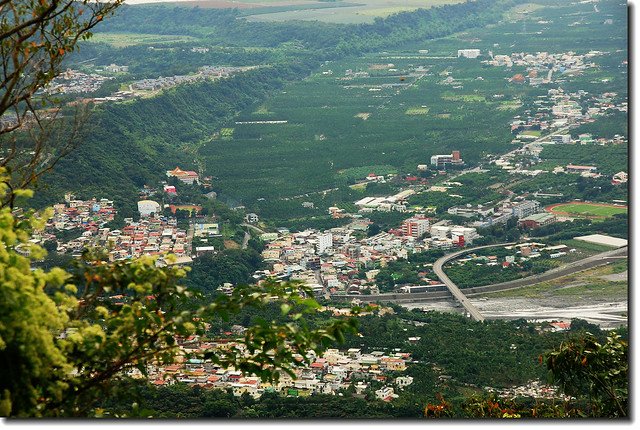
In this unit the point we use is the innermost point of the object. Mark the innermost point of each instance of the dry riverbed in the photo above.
(599, 296)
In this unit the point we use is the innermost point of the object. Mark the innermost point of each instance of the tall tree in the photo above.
(35, 37)
(67, 334)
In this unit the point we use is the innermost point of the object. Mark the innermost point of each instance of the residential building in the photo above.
(469, 211)
(620, 178)
(585, 138)
(325, 241)
(525, 208)
(440, 231)
(415, 227)
(403, 381)
(468, 53)
(561, 138)
(466, 233)
(572, 168)
(205, 229)
(113, 68)
(442, 160)
(386, 394)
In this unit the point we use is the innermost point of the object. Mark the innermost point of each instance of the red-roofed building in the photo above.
(572, 168)
(189, 208)
(560, 325)
(186, 176)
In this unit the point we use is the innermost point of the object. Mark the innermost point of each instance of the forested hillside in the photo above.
(133, 143)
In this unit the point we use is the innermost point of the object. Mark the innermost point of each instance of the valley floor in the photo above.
(599, 296)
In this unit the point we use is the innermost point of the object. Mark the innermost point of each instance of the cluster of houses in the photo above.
(329, 373)
(341, 261)
(534, 389)
(330, 261)
(153, 234)
(205, 72)
(559, 111)
(88, 215)
(541, 66)
(75, 82)
(163, 82)
(520, 253)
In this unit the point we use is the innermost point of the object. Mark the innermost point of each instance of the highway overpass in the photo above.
(473, 312)
(564, 270)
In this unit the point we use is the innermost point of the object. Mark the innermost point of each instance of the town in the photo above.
(329, 373)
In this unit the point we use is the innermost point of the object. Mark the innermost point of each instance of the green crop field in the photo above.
(589, 210)
(417, 111)
(340, 12)
(122, 40)
(368, 111)
(464, 97)
(390, 107)
(340, 121)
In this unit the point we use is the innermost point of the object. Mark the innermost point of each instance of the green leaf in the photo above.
(285, 308)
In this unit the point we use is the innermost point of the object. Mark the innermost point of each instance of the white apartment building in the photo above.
(325, 241)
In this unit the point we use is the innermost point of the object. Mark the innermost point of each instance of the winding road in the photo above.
(576, 266)
(473, 312)
(453, 290)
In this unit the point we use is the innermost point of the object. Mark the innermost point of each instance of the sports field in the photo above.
(586, 210)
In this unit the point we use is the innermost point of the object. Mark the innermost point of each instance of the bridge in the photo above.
(473, 312)
(600, 259)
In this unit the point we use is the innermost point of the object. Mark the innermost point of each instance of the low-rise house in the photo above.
(386, 394)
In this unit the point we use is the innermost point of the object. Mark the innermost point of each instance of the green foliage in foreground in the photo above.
(489, 346)
(595, 373)
(182, 401)
(587, 367)
(66, 335)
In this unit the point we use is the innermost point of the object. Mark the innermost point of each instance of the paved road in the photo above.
(567, 269)
(577, 266)
(253, 227)
(473, 312)
(245, 240)
(538, 140)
